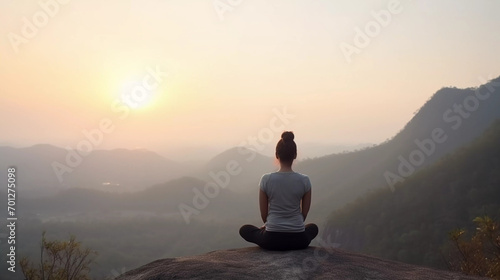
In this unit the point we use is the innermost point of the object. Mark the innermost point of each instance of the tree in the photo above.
(59, 260)
(481, 255)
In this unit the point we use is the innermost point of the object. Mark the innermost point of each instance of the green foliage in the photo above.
(481, 254)
(59, 260)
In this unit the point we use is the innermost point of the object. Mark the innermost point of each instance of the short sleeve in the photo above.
(307, 183)
(263, 182)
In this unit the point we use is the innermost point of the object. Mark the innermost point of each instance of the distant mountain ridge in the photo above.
(248, 165)
(115, 170)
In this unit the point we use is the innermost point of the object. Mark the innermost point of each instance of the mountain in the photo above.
(450, 119)
(314, 150)
(45, 169)
(33, 167)
(412, 223)
(311, 263)
(238, 169)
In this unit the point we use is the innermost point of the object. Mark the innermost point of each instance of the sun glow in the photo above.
(137, 95)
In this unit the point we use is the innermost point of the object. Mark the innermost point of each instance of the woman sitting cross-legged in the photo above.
(284, 199)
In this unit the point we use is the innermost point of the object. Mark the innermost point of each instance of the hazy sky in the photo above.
(68, 66)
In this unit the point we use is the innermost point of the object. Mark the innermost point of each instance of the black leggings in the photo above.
(279, 241)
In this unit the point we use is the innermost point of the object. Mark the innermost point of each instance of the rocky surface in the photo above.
(311, 263)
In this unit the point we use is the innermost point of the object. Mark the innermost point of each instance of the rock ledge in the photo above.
(311, 263)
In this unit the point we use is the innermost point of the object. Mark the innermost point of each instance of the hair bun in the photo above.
(287, 136)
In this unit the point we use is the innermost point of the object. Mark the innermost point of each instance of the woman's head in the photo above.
(286, 149)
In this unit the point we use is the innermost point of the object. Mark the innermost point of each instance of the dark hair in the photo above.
(286, 149)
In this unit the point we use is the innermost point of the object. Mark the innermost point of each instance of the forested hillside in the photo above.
(458, 115)
(412, 223)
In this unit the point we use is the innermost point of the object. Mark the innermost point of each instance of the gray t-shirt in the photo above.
(285, 191)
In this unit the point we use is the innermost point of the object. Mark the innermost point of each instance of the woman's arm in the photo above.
(264, 205)
(306, 204)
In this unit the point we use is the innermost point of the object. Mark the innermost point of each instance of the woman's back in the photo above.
(285, 191)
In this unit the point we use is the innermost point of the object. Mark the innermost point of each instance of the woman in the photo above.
(284, 199)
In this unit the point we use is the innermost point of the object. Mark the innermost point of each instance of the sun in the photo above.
(137, 95)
